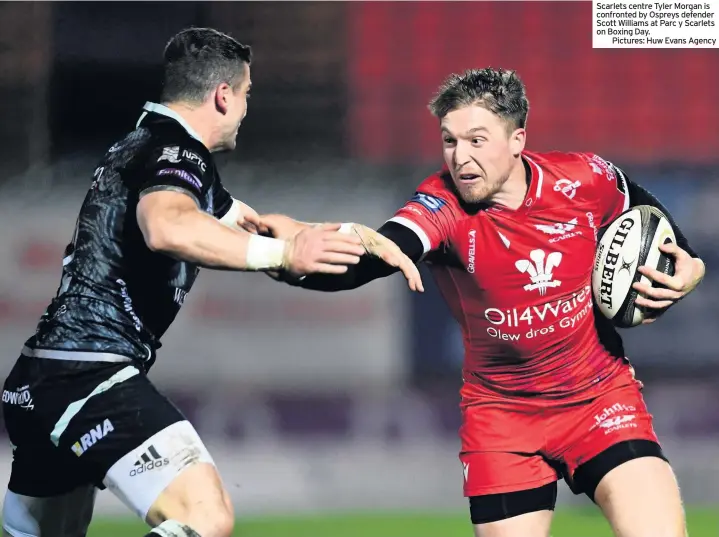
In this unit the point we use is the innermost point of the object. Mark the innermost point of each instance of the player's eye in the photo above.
(478, 141)
(448, 140)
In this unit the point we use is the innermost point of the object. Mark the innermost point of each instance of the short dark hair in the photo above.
(197, 60)
(498, 90)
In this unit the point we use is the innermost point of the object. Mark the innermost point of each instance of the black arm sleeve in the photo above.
(639, 195)
(222, 199)
(369, 268)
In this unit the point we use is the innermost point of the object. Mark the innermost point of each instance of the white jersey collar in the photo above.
(165, 111)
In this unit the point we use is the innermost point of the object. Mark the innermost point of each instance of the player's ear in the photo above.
(517, 141)
(223, 93)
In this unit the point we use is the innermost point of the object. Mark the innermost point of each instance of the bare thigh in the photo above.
(180, 482)
(641, 498)
(198, 499)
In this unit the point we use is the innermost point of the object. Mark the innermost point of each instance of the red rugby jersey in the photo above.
(519, 281)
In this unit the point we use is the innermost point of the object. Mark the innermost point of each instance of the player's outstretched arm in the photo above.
(391, 249)
(172, 224)
(380, 246)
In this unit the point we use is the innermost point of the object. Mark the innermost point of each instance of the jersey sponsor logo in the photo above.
(510, 324)
(182, 174)
(618, 416)
(558, 228)
(431, 203)
(127, 304)
(471, 250)
(620, 422)
(149, 460)
(179, 296)
(93, 436)
(170, 154)
(612, 260)
(602, 167)
(564, 231)
(539, 267)
(567, 187)
(610, 171)
(590, 222)
(20, 397)
(194, 158)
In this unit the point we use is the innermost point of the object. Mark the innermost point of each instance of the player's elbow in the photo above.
(160, 238)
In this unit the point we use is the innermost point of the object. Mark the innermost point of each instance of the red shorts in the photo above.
(510, 445)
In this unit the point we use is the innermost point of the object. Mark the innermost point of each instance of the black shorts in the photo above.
(92, 423)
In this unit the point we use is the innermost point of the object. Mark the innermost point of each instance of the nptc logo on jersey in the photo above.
(540, 272)
(194, 158)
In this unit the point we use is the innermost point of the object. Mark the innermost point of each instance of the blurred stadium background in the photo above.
(336, 410)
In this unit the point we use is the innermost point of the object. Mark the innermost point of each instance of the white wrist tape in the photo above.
(265, 253)
(172, 528)
(233, 215)
(346, 227)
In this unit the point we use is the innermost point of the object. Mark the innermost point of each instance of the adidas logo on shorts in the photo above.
(149, 460)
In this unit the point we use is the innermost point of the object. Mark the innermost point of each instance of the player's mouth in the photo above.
(468, 178)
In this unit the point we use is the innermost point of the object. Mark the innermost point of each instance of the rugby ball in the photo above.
(630, 241)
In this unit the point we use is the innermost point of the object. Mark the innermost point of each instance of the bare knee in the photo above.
(212, 522)
(197, 499)
(219, 523)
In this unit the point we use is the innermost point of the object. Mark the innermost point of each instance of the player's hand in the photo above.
(378, 245)
(321, 249)
(688, 273)
(280, 226)
(249, 220)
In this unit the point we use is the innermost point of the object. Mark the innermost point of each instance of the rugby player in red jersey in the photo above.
(548, 393)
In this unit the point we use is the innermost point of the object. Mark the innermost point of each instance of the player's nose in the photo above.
(462, 156)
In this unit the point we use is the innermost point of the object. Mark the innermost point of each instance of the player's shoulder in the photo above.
(551, 160)
(178, 149)
(169, 143)
(584, 164)
(437, 191)
(578, 176)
